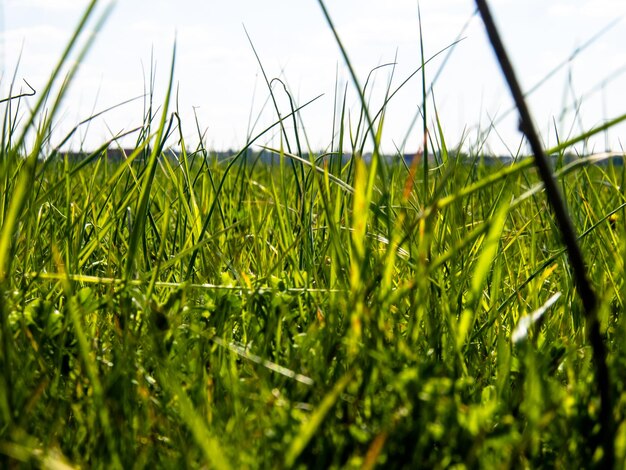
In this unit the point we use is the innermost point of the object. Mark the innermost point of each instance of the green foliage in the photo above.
(182, 310)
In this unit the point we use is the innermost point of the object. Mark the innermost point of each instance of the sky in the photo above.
(222, 98)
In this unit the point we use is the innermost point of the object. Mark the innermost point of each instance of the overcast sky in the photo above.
(217, 74)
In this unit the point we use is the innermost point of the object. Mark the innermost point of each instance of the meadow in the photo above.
(180, 310)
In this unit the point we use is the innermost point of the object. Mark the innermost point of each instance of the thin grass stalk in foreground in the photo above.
(587, 295)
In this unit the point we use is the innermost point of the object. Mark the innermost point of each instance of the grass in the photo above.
(180, 310)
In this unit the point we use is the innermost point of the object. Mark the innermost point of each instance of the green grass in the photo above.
(181, 311)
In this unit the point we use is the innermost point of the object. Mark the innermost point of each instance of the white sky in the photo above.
(217, 73)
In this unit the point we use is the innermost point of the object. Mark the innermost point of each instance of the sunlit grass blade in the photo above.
(481, 271)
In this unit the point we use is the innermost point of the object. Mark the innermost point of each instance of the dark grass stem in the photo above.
(32, 92)
(568, 233)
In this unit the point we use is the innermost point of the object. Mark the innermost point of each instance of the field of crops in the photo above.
(175, 309)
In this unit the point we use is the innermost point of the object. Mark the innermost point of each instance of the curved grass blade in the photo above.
(355, 80)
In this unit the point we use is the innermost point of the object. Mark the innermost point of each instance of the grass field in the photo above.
(179, 310)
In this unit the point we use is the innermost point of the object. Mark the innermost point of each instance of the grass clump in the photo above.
(177, 309)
